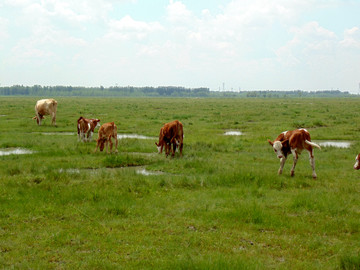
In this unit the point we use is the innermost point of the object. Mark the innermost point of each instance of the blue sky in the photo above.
(242, 44)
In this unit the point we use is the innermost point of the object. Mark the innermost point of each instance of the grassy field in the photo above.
(221, 206)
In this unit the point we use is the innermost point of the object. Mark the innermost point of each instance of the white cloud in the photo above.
(351, 38)
(4, 23)
(178, 13)
(128, 28)
(237, 42)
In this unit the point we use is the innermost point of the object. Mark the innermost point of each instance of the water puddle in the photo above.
(134, 136)
(335, 144)
(233, 133)
(58, 133)
(15, 151)
(69, 171)
(148, 173)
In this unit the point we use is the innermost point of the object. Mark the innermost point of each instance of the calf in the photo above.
(106, 132)
(86, 127)
(45, 107)
(293, 142)
(171, 134)
(357, 162)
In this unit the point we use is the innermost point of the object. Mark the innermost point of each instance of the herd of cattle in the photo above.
(171, 134)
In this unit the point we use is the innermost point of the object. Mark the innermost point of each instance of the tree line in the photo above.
(161, 91)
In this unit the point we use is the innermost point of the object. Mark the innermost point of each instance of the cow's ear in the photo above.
(285, 143)
(270, 142)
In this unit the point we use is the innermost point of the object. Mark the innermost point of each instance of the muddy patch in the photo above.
(134, 136)
(15, 151)
(336, 144)
(233, 133)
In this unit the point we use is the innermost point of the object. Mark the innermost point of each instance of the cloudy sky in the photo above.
(230, 44)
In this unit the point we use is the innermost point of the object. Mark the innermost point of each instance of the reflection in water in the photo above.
(335, 144)
(15, 151)
(147, 173)
(233, 133)
(134, 136)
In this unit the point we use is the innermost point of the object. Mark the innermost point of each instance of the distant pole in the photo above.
(223, 86)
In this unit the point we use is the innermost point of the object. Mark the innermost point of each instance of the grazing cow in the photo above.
(45, 107)
(106, 132)
(293, 142)
(86, 127)
(357, 162)
(171, 133)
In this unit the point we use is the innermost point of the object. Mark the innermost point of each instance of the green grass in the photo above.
(221, 206)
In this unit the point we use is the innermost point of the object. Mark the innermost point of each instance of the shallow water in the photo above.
(147, 173)
(15, 151)
(134, 136)
(70, 171)
(58, 133)
(233, 133)
(335, 144)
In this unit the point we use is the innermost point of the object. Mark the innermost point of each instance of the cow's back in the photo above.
(46, 106)
(108, 129)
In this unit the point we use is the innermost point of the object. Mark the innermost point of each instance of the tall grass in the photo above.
(221, 206)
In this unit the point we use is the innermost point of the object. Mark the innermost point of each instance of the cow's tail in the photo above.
(313, 144)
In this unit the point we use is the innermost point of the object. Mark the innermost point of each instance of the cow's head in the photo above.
(158, 145)
(357, 162)
(37, 118)
(102, 144)
(280, 148)
(97, 122)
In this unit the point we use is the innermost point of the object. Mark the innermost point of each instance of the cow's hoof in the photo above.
(292, 174)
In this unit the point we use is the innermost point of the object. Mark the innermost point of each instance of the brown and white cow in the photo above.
(45, 107)
(293, 142)
(171, 134)
(106, 132)
(86, 127)
(357, 162)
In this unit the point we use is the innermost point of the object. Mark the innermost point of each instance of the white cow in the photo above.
(45, 107)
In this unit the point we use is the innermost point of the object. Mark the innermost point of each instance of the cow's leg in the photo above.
(90, 136)
(53, 120)
(174, 149)
(111, 144)
(167, 150)
(295, 159)
(282, 163)
(181, 148)
(312, 163)
(116, 144)
(38, 119)
(97, 145)
(88, 132)
(78, 132)
(87, 137)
